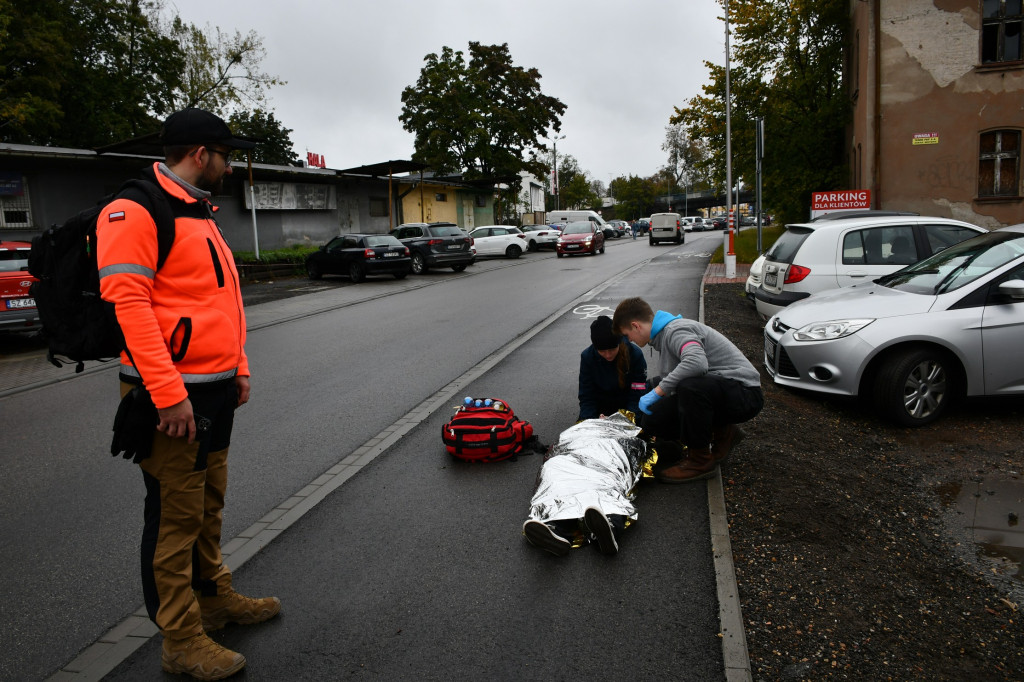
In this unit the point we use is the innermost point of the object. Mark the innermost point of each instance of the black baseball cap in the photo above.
(198, 126)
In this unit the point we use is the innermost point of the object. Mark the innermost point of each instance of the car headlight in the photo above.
(588, 240)
(828, 331)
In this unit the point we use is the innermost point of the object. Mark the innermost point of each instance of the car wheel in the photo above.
(313, 270)
(356, 272)
(532, 246)
(914, 387)
(559, 254)
(458, 268)
(513, 251)
(419, 265)
(652, 242)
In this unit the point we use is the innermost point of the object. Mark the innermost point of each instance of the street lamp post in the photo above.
(730, 256)
(554, 178)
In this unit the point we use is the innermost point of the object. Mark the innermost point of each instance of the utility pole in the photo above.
(730, 256)
(554, 178)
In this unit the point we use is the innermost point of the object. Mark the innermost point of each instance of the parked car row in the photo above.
(908, 312)
(418, 247)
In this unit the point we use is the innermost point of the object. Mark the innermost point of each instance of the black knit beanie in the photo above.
(601, 334)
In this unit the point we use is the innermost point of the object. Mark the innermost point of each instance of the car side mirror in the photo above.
(1013, 288)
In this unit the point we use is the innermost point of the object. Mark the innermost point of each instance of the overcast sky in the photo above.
(618, 65)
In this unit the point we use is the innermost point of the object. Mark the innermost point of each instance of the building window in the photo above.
(378, 207)
(999, 164)
(480, 201)
(15, 207)
(1000, 31)
(440, 196)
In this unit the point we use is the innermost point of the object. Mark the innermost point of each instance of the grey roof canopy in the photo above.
(386, 168)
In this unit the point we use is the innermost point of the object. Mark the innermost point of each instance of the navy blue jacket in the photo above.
(599, 383)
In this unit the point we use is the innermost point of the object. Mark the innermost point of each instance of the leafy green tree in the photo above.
(84, 73)
(30, 69)
(222, 71)
(635, 197)
(480, 118)
(788, 70)
(276, 143)
(686, 159)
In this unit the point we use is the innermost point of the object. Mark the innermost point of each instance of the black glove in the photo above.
(134, 425)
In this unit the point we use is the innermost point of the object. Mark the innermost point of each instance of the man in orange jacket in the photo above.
(184, 330)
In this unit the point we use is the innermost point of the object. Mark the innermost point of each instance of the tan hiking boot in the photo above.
(235, 608)
(724, 439)
(695, 466)
(200, 657)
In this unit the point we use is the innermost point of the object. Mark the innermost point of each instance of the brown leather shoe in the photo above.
(200, 657)
(696, 466)
(724, 439)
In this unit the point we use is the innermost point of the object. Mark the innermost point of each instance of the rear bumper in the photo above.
(388, 267)
(449, 259)
(24, 320)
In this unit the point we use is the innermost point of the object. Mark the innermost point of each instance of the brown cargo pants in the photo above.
(185, 487)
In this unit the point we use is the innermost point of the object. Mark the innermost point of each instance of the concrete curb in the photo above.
(730, 616)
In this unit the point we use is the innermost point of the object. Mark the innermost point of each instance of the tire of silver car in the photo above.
(532, 246)
(914, 387)
(513, 251)
(419, 265)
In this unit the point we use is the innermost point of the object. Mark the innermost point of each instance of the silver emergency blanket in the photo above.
(595, 463)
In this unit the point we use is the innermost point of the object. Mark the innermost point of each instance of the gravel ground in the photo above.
(851, 554)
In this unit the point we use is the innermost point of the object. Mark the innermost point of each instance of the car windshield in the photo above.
(382, 240)
(446, 231)
(957, 266)
(785, 247)
(13, 261)
(578, 228)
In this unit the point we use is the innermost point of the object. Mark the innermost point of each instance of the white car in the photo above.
(499, 240)
(540, 237)
(841, 251)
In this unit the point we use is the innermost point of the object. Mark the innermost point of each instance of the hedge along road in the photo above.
(324, 385)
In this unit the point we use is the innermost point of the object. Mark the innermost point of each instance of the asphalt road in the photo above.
(414, 568)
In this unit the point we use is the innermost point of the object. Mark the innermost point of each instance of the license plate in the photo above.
(390, 255)
(771, 279)
(572, 246)
(455, 247)
(16, 303)
(769, 351)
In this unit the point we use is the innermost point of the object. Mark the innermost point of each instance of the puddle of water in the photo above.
(993, 509)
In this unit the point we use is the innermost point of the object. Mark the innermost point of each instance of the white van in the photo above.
(563, 217)
(666, 227)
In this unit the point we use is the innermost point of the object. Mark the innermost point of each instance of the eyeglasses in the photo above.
(223, 153)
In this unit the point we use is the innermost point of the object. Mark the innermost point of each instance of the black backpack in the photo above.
(77, 323)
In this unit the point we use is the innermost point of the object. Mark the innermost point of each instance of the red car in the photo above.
(17, 307)
(580, 237)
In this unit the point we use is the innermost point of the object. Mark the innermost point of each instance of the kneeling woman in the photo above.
(613, 373)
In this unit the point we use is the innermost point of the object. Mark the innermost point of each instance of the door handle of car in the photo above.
(856, 274)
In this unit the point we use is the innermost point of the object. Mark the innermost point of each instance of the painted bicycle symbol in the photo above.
(591, 311)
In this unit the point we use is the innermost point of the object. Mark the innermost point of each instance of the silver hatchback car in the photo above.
(914, 340)
(843, 250)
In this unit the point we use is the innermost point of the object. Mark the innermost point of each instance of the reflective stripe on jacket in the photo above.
(183, 323)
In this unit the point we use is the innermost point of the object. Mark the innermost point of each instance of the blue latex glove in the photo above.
(647, 400)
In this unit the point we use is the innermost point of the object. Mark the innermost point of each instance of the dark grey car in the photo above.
(436, 245)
